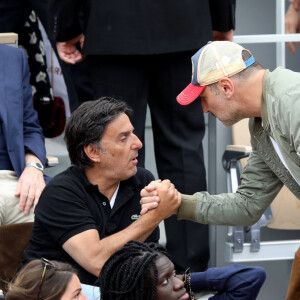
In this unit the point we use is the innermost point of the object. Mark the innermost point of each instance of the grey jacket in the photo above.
(264, 174)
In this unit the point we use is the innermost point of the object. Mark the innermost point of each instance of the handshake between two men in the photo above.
(162, 193)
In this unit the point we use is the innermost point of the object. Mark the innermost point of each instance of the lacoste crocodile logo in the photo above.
(135, 217)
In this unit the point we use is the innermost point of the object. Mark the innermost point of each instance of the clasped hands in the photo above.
(160, 195)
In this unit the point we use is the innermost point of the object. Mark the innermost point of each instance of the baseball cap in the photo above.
(212, 62)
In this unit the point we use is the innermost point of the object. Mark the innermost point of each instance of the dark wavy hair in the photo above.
(131, 272)
(87, 125)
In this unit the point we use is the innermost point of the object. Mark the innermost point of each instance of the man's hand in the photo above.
(149, 196)
(170, 200)
(292, 23)
(295, 3)
(223, 36)
(30, 186)
(68, 52)
(162, 194)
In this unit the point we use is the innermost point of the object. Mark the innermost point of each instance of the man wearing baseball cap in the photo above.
(233, 86)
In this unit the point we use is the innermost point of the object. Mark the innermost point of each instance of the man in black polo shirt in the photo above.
(92, 209)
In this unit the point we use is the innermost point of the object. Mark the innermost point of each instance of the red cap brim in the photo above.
(189, 94)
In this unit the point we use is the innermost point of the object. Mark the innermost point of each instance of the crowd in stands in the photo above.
(91, 238)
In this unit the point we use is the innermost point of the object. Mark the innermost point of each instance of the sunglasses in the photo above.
(47, 263)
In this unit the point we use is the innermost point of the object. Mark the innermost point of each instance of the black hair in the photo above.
(87, 125)
(131, 272)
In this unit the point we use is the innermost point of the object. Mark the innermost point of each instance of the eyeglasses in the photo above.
(47, 263)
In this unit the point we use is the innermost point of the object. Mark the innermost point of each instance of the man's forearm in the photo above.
(94, 255)
(91, 252)
(139, 230)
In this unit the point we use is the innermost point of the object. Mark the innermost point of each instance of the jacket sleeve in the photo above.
(32, 131)
(222, 14)
(235, 282)
(63, 21)
(289, 125)
(258, 188)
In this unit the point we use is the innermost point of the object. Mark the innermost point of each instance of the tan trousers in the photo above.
(9, 204)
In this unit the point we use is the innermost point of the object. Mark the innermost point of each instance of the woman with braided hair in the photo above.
(131, 273)
(144, 271)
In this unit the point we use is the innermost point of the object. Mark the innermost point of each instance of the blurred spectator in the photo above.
(292, 23)
(15, 13)
(30, 39)
(51, 109)
(44, 279)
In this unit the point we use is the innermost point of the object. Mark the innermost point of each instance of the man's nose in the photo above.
(137, 144)
(204, 106)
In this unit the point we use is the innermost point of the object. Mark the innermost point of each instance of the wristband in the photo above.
(187, 284)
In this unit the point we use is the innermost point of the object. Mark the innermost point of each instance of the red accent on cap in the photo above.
(189, 94)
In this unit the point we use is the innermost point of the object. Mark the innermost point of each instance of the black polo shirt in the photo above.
(70, 204)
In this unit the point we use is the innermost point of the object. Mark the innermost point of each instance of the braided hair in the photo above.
(131, 272)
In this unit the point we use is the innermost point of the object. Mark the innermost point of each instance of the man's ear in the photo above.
(92, 152)
(226, 87)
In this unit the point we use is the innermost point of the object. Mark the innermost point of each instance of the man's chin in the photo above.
(128, 174)
(228, 123)
(132, 172)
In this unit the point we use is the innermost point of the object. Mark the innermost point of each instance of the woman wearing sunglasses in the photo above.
(42, 279)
